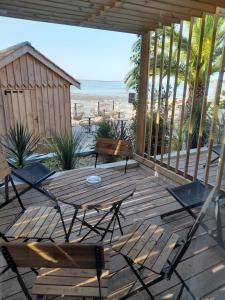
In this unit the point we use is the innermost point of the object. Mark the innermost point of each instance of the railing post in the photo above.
(143, 93)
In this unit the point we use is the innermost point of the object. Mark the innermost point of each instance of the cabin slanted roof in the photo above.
(10, 54)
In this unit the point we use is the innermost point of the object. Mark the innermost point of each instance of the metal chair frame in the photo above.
(11, 265)
(181, 248)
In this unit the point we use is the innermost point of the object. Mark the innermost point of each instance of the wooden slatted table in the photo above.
(108, 196)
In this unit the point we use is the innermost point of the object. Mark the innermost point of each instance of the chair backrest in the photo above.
(37, 255)
(113, 147)
(4, 167)
(192, 231)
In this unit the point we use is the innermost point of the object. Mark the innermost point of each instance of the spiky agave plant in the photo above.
(19, 144)
(66, 148)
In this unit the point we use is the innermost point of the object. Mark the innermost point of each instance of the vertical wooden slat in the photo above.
(167, 95)
(3, 121)
(191, 122)
(34, 111)
(10, 75)
(29, 110)
(143, 93)
(152, 94)
(22, 108)
(205, 96)
(56, 103)
(17, 73)
(51, 100)
(187, 67)
(175, 93)
(220, 169)
(24, 72)
(66, 92)
(30, 70)
(61, 106)
(215, 114)
(159, 93)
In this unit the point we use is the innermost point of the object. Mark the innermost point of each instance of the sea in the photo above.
(103, 88)
(119, 88)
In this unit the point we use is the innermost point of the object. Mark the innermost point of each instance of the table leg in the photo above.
(72, 223)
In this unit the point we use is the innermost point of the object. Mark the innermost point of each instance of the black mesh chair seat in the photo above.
(216, 149)
(191, 194)
(33, 173)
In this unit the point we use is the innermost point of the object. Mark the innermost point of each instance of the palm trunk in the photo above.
(197, 112)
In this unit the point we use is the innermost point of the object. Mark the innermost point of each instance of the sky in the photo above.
(84, 53)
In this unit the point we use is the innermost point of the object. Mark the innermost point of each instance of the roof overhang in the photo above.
(118, 15)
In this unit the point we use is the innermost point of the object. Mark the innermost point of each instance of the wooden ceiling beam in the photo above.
(134, 29)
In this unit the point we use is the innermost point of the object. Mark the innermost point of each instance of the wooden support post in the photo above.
(143, 93)
(205, 96)
(191, 122)
(184, 95)
(215, 115)
(152, 95)
(175, 93)
(167, 95)
(159, 93)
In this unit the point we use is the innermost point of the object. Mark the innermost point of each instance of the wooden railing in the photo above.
(164, 122)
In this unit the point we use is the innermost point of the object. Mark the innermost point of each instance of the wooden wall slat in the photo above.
(3, 77)
(165, 116)
(40, 110)
(175, 93)
(46, 110)
(179, 144)
(191, 122)
(51, 109)
(66, 93)
(17, 73)
(3, 122)
(22, 108)
(35, 112)
(152, 95)
(10, 75)
(37, 73)
(44, 80)
(29, 110)
(24, 73)
(56, 103)
(205, 96)
(30, 69)
(61, 107)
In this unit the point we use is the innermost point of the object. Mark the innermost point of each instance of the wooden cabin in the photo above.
(34, 91)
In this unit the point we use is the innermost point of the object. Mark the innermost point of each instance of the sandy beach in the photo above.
(88, 104)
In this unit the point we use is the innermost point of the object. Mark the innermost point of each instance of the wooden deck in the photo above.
(203, 266)
(201, 168)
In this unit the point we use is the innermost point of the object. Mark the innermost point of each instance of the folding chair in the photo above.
(6, 178)
(33, 175)
(147, 248)
(35, 222)
(74, 270)
(216, 149)
(107, 146)
(111, 213)
(189, 196)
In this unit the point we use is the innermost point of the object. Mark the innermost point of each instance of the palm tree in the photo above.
(133, 75)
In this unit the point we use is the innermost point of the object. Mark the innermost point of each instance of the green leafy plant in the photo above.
(66, 148)
(105, 130)
(19, 144)
(220, 127)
